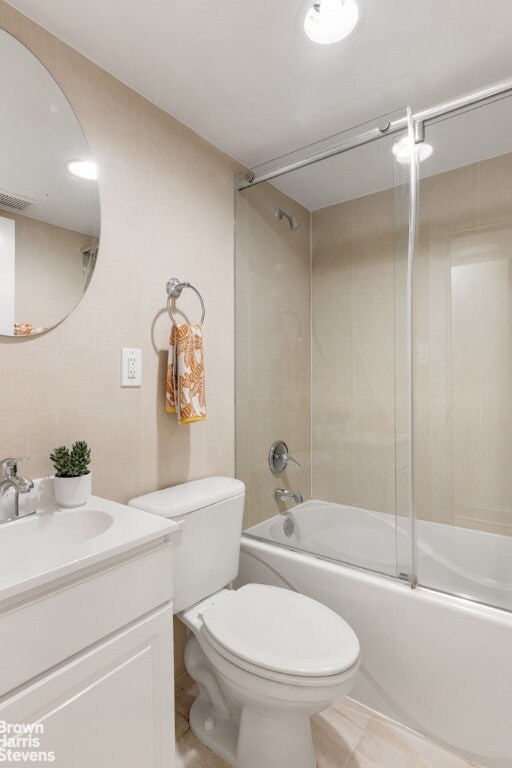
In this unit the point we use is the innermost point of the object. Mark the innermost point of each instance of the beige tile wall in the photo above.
(167, 209)
(353, 383)
(273, 346)
(463, 316)
(462, 351)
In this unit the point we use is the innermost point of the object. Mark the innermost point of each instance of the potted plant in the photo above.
(72, 474)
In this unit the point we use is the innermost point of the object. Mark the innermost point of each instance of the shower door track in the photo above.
(318, 151)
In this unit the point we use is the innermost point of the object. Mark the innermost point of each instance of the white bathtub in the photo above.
(439, 664)
(456, 560)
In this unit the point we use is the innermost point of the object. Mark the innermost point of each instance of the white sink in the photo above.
(35, 537)
(55, 542)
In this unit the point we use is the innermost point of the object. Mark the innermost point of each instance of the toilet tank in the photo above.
(208, 549)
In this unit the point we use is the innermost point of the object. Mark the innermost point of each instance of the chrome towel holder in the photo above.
(174, 289)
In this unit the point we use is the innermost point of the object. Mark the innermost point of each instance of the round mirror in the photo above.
(49, 199)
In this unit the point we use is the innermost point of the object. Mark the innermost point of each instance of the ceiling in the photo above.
(245, 77)
(242, 74)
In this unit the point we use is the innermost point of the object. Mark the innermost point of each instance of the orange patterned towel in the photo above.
(185, 390)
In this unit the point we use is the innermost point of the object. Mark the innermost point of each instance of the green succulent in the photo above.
(71, 463)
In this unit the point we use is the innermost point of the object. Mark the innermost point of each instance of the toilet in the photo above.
(265, 658)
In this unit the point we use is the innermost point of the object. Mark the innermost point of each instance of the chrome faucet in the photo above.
(282, 494)
(279, 458)
(10, 480)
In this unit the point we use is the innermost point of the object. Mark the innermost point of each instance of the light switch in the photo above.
(131, 367)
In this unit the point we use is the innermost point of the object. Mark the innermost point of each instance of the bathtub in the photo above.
(437, 663)
(451, 559)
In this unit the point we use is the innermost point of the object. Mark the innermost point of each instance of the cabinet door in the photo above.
(110, 707)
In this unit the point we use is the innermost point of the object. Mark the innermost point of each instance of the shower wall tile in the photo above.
(375, 453)
(333, 336)
(467, 457)
(462, 352)
(496, 457)
(353, 381)
(431, 320)
(433, 460)
(273, 346)
(496, 195)
(333, 301)
(374, 281)
(448, 210)
(462, 322)
(334, 454)
(451, 200)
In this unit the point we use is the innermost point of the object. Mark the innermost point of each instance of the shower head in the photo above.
(291, 219)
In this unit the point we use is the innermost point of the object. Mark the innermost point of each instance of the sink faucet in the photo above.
(282, 494)
(10, 480)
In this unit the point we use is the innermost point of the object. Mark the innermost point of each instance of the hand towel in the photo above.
(185, 386)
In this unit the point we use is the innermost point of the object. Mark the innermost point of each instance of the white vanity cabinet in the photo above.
(108, 707)
(86, 664)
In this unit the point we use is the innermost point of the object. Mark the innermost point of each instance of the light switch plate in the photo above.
(131, 367)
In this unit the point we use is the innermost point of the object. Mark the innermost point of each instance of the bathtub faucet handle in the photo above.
(289, 459)
(279, 458)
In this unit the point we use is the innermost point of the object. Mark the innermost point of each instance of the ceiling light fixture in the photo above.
(402, 150)
(84, 169)
(329, 21)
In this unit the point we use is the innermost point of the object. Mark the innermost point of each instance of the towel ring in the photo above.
(174, 289)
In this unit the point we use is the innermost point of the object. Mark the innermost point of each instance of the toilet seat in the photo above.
(280, 634)
(213, 650)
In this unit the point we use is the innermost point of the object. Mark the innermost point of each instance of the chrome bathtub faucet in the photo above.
(281, 494)
(10, 480)
(279, 458)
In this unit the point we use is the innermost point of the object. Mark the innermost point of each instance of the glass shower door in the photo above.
(462, 357)
(334, 384)
(360, 372)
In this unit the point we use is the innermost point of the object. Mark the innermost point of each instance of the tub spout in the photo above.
(282, 494)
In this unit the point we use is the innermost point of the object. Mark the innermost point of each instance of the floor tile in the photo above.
(346, 735)
(191, 753)
(337, 731)
(384, 745)
(185, 691)
(180, 725)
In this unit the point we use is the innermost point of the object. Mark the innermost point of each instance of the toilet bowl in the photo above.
(265, 658)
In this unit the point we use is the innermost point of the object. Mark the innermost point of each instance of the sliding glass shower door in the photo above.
(360, 381)
(323, 349)
(382, 356)
(462, 357)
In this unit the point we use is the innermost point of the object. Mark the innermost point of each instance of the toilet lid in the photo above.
(284, 631)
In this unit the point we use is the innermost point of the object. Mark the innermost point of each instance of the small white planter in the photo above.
(72, 491)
